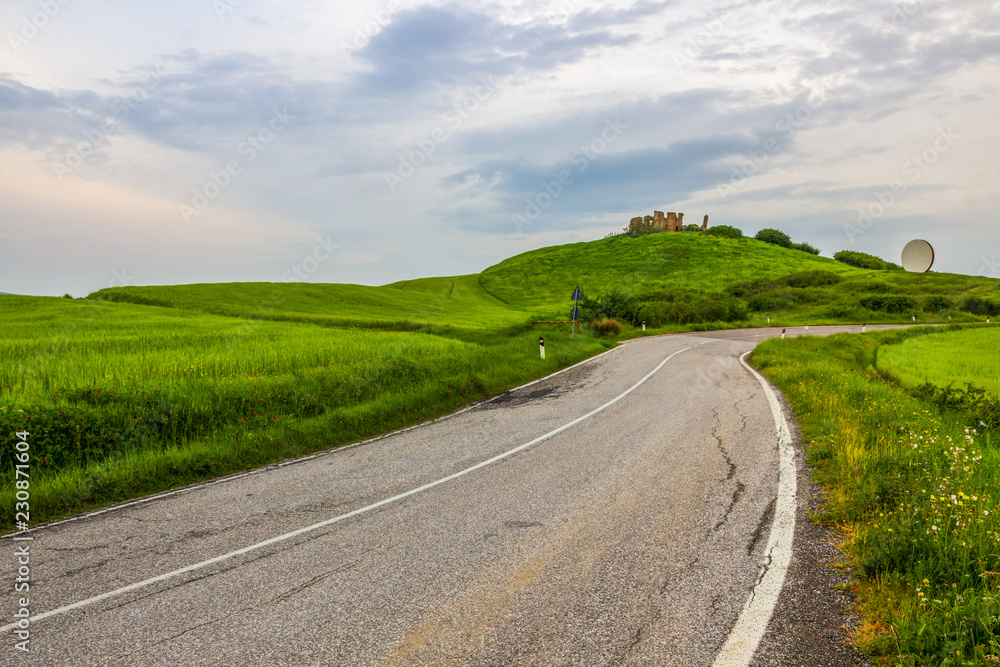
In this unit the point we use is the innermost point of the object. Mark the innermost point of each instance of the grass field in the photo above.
(455, 303)
(912, 484)
(960, 358)
(137, 389)
(123, 399)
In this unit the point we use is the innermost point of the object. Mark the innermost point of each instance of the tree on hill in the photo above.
(863, 260)
(774, 236)
(726, 231)
(806, 247)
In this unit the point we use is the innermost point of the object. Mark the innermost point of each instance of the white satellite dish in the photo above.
(918, 256)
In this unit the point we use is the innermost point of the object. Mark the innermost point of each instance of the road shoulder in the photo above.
(813, 619)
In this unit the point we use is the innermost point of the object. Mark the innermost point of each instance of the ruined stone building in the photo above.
(673, 222)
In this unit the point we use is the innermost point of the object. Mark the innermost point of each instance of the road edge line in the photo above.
(745, 636)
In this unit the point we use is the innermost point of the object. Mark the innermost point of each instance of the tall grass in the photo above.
(915, 489)
(122, 399)
(963, 358)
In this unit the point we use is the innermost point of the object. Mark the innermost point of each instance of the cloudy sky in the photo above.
(373, 141)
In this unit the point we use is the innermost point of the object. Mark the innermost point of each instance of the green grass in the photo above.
(454, 303)
(913, 485)
(123, 399)
(960, 358)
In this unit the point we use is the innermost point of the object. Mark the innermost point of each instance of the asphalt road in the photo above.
(634, 535)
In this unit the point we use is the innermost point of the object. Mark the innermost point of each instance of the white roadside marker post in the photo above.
(864, 328)
(782, 334)
(541, 346)
(644, 326)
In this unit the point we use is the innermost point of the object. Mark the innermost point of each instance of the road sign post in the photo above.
(541, 347)
(574, 314)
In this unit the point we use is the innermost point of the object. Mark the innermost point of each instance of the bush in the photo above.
(774, 236)
(937, 302)
(811, 279)
(771, 301)
(616, 303)
(607, 326)
(806, 247)
(863, 260)
(889, 303)
(978, 306)
(691, 308)
(874, 286)
(691, 228)
(725, 231)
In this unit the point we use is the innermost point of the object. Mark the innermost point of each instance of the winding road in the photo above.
(637, 508)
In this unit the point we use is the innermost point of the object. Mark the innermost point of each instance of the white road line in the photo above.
(756, 614)
(299, 459)
(342, 517)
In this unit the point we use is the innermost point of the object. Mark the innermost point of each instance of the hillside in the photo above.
(458, 302)
(661, 270)
(686, 261)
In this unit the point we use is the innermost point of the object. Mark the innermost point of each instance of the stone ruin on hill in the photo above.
(673, 222)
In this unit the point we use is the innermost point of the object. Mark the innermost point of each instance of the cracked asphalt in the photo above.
(633, 537)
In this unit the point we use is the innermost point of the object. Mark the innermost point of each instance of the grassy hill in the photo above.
(456, 302)
(137, 389)
(661, 270)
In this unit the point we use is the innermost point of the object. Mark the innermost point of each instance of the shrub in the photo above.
(863, 260)
(874, 286)
(811, 279)
(889, 303)
(747, 290)
(774, 236)
(691, 228)
(615, 303)
(978, 306)
(725, 231)
(937, 302)
(806, 247)
(770, 301)
(691, 308)
(607, 326)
